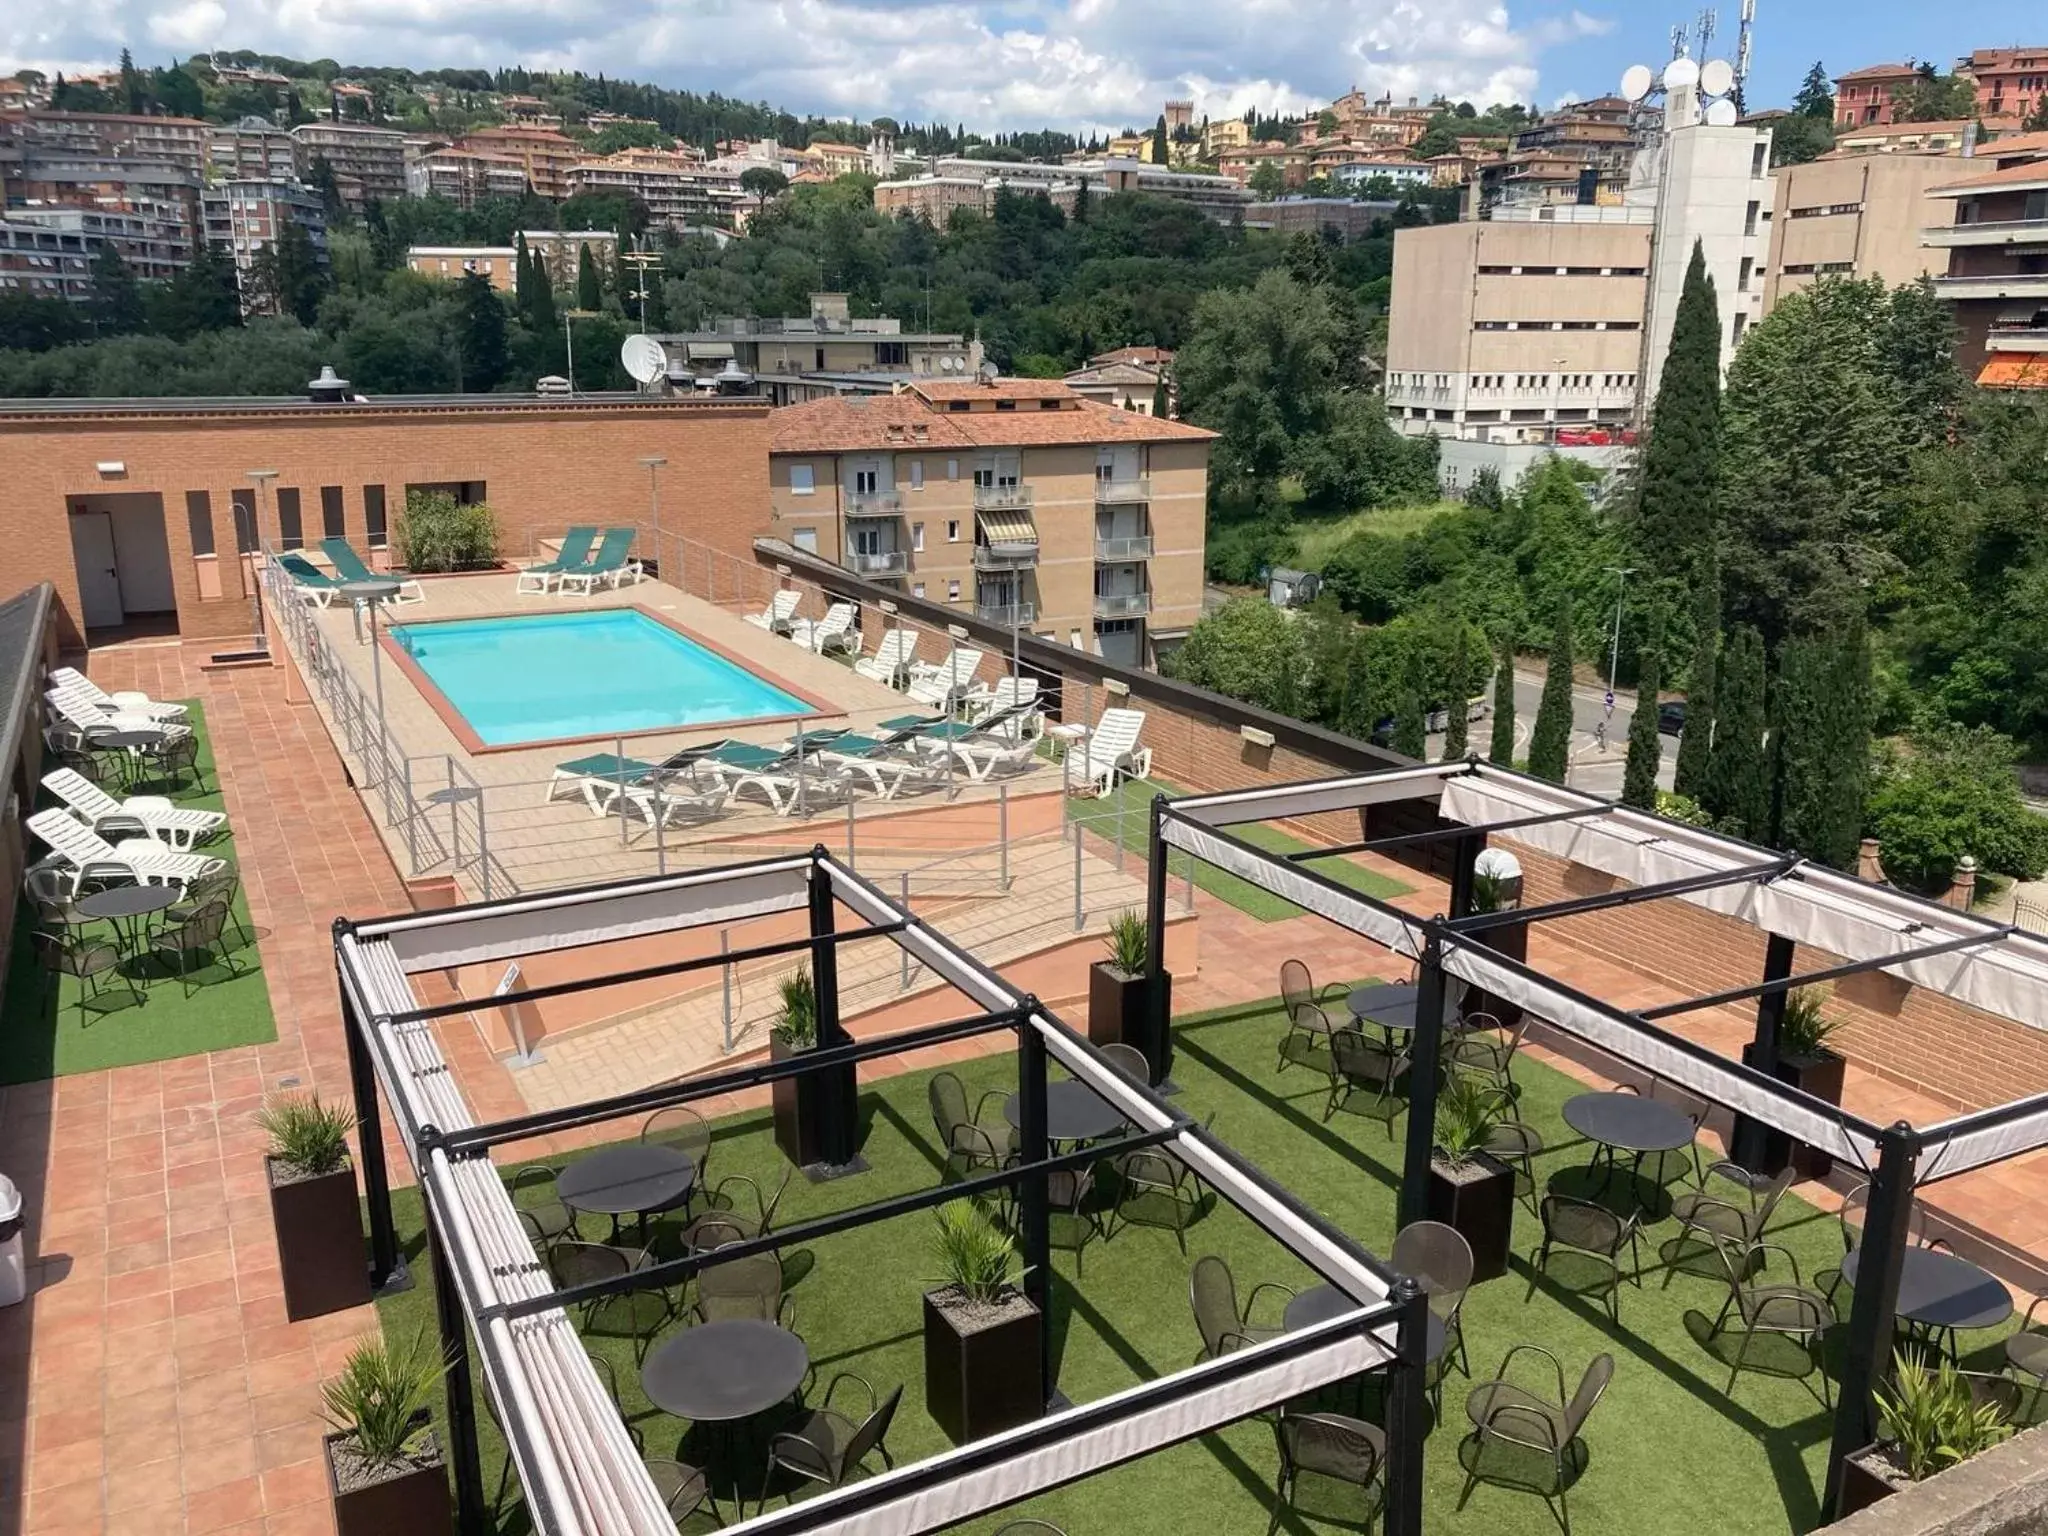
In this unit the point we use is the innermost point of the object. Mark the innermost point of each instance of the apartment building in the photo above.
(547, 154)
(465, 177)
(1223, 134)
(933, 198)
(1856, 215)
(678, 189)
(251, 149)
(1864, 96)
(172, 141)
(45, 263)
(560, 249)
(2011, 82)
(369, 163)
(1997, 246)
(154, 240)
(1402, 173)
(1015, 499)
(1942, 138)
(955, 182)
(1346, 217)
(244, 217)
(825, 352)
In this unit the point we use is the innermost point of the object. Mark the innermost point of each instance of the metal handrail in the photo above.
(1139, 489)
(875, 504)
(1005, 557)
(1115, 605)
(885, 562)
(1137, 547)
(993, 498)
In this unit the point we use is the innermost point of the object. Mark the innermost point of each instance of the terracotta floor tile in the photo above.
(223, 1506)
(290, 1486)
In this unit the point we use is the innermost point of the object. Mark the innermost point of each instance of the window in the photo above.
(375, 532)
(332, 523)
(244, 504)
(891, 354)
(916, 538)
(1749, 218)
(958, 405)
(1758, 158)
(917, 589)
(1048, 404)
(866, 482)
(1741, 325)
(802, 480)
(805, 539)
(917, 474)
(1006, 405)
(290, 534)
(952, 469)
(953, 591)
(1742, 275)
(199, 521)
(952, 531)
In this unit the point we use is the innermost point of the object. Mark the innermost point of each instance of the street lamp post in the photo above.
(262, 477)
(654, 463)
(1621, 573)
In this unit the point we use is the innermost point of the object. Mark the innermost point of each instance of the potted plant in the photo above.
(1470, 1190)
(1928, 1420)
(1497, 887)
(1805, 1062)
(983, 1361)
(1120, 993)
(384, 1466)
(313, 1206)
(799, 1101)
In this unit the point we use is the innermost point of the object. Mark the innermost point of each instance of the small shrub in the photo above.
(1931, 1419)
(378, 1394)
(307, 1136)
(1129, 949)
(973, 1253)
(438, 533)
(1804, 1027)
(1467, 1111)
(797, 1025)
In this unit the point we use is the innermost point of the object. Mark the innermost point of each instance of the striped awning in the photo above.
(709, 351)
(1009, 528)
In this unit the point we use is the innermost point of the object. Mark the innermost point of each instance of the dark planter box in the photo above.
(981, 1377)
(1512, 940)
(1119, 1013)
(1480, 1206)
(413, 1500)
(320, 1252)
(803, 1110)
(1867, 1476)
(1770, 1150)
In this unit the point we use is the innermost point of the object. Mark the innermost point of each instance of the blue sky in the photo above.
(1087, 65)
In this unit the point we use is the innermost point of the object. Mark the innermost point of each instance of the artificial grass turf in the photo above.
(1124, 815)
(1667, 1448)
(41, 1032)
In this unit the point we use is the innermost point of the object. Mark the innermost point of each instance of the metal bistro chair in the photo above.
(747, 1287)
(547, 1219)
(683, 1130)
(1479, 1051)
(221, 885)
(1515, 1143)
(1439, 1258)
(85, 961)
(1849, 1218)
(173, 758)
(635, 1315)
(1587, 1231)
(52, 889)
(1130, 1061)
(972, 1143)
(828, 1446)
(734, 1212)
(1212, 1293)
(1732, 1218)
(199, 934)
(1330, 1448)
(1788, 1311)
(2026, 1350)
(1504, 1412)
(1154, 1188)
(1361, 1066)
(1308, 1026)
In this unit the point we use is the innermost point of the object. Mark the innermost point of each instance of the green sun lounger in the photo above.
(308, 577)
(574, 552)
(611, 560)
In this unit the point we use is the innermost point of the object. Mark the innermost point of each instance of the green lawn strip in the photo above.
(41, 1032)
(1124, 815)
(1667, 1429)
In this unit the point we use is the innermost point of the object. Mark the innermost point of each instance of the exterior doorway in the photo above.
(123, 560)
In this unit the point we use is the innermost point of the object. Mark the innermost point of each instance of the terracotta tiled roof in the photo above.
(1134, 355)
(852, 422)
(1876, 71)
(1093, 422)
(1116, 373)
(2024, 174)
(2015, 371)
(1000, 389)
(2013, 144)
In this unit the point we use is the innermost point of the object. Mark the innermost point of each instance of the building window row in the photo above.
(1498, 271)
(1557, 325)
(1825, 210)
(1817, 268)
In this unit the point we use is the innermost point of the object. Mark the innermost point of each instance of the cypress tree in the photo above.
(1411, 721)
(541, 314)
(1455, 727)
(1501, 749)
(1645, 749)
(1695, 741)
(522, 275)
(1822, 710)
(1676, 515)
(1738, 787)
(588, 295)
(1550, 744)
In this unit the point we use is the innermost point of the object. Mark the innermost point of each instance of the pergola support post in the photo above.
(1158, 985)
(387, 1266)
(1408, 1417)
(1755, 1145)
(836, 1088)
(1464, 872)
(1426, 1048)
(1881, 1258)
(472, 1509)
(1034, 1207)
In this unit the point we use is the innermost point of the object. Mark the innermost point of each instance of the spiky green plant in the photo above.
(307, 1136)
(797, 1025)
(1804, 1027)
(379, 1394)
(1930, 1418)
(1467, 1111)
(1129, 946)
(973, 1253)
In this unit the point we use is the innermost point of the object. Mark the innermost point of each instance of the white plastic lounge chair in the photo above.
(944, 685)
(893, 658)
(889, 764)
(833, 632)
(675, 800)
(609, 565)
(146, 858)
(776, 775)
(1111, 748)
(170, 824)
(350, 566)
(536, 579)
(1008, 709)
(600, 777)
(780, 610)
(86, 717)
(985, 757)
(71, 680)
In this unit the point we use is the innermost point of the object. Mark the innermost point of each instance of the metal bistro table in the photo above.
(1073, 1112)
(1627, 1122)
(632, 1179)
(1389, 1005)
(722, 1372)
(1943, 1293)
(1321, 1303)
(125, 906)
(128, 745)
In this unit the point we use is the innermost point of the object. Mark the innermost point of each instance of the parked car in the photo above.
(1671, 718)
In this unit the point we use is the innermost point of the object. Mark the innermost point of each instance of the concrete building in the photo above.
(956, 182)
(560, 249)
(1223, 134)
(1313, 215)
(2011, 82)
(931, 198)
(1864, 96)
(1128, 386)
(827, 352)
(253, 149)
(1997, 248)
(1859, 215)
(155, 242)
(464, 176)
(678, 189)
(174, 141)
(1402, 173)
(547, 154)
(45, 263)
(1944, 138)
(1016, 499)
(245, 217)
(369, 163)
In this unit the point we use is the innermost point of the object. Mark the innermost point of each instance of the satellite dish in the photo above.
(1636, 81)
(1716, 76)
(1681, 74)
(1721, 114)
(643, 358)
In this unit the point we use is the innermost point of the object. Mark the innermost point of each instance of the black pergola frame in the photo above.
(1898, 1147)
(1391, 1330)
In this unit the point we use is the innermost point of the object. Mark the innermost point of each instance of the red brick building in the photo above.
(2011, 82)
(1864, 96)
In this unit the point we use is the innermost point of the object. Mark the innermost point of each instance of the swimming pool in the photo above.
(547, 677)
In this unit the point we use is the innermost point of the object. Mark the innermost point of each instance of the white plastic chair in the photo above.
(171, 824)
(146, 858)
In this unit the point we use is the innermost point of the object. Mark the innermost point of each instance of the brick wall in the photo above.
(21, 742)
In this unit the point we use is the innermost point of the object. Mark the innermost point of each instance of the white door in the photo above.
(142, 555)
(99, 579)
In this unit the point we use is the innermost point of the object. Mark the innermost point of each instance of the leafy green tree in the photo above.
(134, 95)
(764, 182)
(1816, 95)
(1457, 725)
(1821, 706)
(386, 253)
(204, 296)
(1738, 782)
(1246, 649)
(1501, 749)
(1265, 180)
(540, 312)
(1645, 742)
(1695, 741)
(1676, 503)
(480, 338)
(1798, 138)
(32, 323)
(114, 300)
(286, 277)
(1411, 715)
(1934, 98)
(2037, 120)
(1550, 743)
(321, 178)
(1950, 793)
(522, 275)
(588, 294)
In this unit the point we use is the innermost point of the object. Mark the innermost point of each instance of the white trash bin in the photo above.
(13, 1276)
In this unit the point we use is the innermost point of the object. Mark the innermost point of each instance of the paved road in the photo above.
(1592, 769)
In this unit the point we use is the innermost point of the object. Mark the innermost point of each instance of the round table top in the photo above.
(1320, 1303)
(126, 739)
(1942, 1290)
(128, 900)
(724, 1370)
(627, 1179)
(1629, 1122)
(372, 589)
(1073, 1112)
(1389, 1005)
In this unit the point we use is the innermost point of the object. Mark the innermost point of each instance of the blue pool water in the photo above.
(584, 674)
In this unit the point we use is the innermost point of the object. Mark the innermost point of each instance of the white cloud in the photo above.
(990, 63)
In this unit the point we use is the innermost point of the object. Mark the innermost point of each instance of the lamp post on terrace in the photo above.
(262, 477)
(654, 463)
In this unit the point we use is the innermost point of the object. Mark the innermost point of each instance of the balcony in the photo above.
(1002, 498)
(1006, 613)
(885, 562)
(1018, 555)
(1138, 547)
(1120, 491)
(2033, 338)
(2004, 285)
(1122, 605)
(875, 504)
(1996, 232)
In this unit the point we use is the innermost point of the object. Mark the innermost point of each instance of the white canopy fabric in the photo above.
(1271, 873)
(1281, 802)
(1958, 1145)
